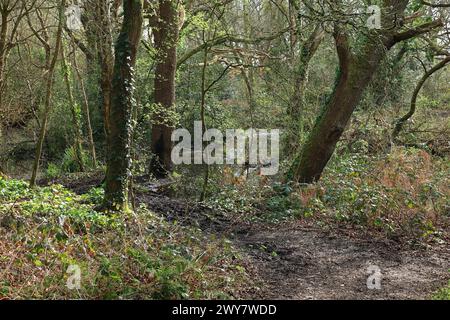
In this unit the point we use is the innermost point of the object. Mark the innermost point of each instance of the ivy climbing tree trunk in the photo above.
(166, 38)
(122, 101)
(354, 77)
(358, 62)
(75, 111)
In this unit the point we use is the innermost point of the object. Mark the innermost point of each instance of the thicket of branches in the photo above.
(111, 91)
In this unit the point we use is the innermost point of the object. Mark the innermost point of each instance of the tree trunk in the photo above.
(321, 143)
(357, 66)
(3, 51)
(106, 60)
(166, 39)
(203, 119)
(307, 51)
(122, 101)
(48, 96)
(74, 109)
(86, 111)
(98, 51)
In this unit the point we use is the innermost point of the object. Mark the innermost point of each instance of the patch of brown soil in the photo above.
(303, 263)
(297, 262)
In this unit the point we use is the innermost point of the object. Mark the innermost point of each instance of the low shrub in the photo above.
(44, 231)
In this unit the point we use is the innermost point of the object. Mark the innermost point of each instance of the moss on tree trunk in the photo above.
(359, 59)
(334, 118)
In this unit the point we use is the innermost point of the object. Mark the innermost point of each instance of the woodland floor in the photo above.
(294, 261)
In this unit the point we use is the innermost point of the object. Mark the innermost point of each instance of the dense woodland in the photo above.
(92, 205)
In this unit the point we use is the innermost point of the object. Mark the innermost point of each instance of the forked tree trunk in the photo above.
(122, 101)
(166, 39)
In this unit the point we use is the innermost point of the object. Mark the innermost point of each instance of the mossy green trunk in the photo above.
(353, 79)
(75, 111)
(122, 101)
(359, 59)
(296, 111)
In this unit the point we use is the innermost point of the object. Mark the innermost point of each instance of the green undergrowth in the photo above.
(47, 233)
(404, 193)
(443, 294)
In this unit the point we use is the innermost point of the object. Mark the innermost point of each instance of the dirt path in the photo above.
(295, 262)
(308, 264)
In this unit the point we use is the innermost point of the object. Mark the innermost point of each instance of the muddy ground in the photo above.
(297, 262)
(312, 265)
(294, 261)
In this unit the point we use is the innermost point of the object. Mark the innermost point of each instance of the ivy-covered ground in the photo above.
(140, 256)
